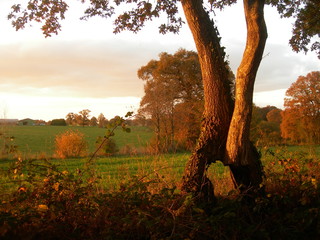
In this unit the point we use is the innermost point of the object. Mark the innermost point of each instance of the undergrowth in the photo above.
(49, 203)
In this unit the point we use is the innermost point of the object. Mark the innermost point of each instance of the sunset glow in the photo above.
(88, 67)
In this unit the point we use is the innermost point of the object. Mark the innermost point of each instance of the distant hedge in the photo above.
(58, 122)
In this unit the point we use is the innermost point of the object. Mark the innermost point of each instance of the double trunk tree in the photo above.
(226, 122)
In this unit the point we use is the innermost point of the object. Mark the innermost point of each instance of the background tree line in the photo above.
(83, 119)
(173, 104)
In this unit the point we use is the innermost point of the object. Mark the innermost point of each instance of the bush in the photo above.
(109, 146)
(71, 144)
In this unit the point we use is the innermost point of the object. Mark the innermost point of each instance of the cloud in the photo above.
(262, 99)
(279, 68)
(86, 69)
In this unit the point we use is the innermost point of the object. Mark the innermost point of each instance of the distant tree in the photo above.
(101, 120)
(291, 126)
(93, 121)
(84, 114)
(274, 116)
(301, 117)
(154, 106)
(171, 81)
(268, 133)
(265, 125)
(58, 122)
(78, 119)
(188, 122)
(70, 118)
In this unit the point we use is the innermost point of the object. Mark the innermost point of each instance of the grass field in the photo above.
(40, 139)
(33, 140)
(116, 169)
(125, 196)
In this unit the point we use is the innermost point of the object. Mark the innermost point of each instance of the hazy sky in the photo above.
(88, 67)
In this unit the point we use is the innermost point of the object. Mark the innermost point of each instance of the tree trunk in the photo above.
(242, 156)
(216, 142)
(218, 102)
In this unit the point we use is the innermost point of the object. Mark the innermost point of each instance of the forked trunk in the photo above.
(212, 145)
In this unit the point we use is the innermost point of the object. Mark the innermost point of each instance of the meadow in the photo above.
(136, 196)
(35, 140)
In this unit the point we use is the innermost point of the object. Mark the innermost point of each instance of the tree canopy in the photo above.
(173, 97)
(136, 13)
(301, 116)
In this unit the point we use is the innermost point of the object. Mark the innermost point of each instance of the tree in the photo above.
(173, 96)
(301, 117)
(265, 125)
(93, 121)
(291, 128)
(77, 119)
(226, 123)
(101, 120)
(70, 118)
(84, 114)
(154, 105)
(274, 116)
(225, 128)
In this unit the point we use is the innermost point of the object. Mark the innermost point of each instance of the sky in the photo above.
(86, 66)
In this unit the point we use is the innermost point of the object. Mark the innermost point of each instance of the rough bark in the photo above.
(216, 141)
(217, 97)
(242, 156)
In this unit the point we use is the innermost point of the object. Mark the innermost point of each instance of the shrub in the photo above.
(109, 146)
(7, 145)
(70, 144)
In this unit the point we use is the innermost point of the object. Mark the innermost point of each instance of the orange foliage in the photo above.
(70, 144)
(301, 117)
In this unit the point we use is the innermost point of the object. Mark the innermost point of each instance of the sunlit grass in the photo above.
(39, 140)
(116, 169)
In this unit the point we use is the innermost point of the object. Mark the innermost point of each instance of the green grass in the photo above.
(40, 139)
(114, 170)
(78, 203)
